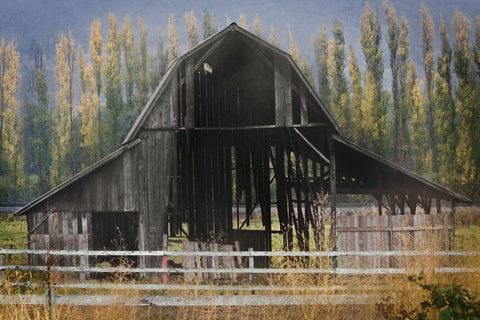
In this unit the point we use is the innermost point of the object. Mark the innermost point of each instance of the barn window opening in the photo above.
(115, 231)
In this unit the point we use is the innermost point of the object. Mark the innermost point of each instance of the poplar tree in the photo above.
(307, 70)
(192, 29)
(142, 79)
(375, 112)
(273, 38)
(42, 142)
(445, 120)
(88, 110)
(257, 26)
(96, 52)
(63, 114)
(243, 22)
(130, 70)
(112, 88)
(11, 156)
(429, 70)
(209, 25)
(359, 134)
(404, 106)
(418, 130)
(340, 97)
(160, 63)
(227, 19)
(293, 49)
(81, 69)
(173, 46)
(466, 101)
(320, 48)
(393, 42)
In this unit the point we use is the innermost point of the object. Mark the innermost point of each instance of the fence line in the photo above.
(162, 253)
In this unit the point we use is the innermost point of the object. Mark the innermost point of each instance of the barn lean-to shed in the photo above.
(231, 118)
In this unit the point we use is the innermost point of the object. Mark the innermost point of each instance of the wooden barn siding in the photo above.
(64, 231)
(392, 233)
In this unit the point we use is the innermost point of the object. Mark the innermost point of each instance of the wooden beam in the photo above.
(303, 109)
(283, 94)
(45, 218)
(190, 94)
(324, 158)
(333, 194)
(207, 54)
(260, 54)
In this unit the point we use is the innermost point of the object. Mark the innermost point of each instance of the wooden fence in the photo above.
(288, 295)
(392, 233)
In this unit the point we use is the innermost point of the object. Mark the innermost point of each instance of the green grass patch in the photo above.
(13, 232)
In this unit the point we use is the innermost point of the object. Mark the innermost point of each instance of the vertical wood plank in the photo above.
(190, 94)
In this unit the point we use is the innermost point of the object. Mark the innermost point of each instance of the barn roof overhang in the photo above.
(82, 174)
(259, 48)
(361, 171)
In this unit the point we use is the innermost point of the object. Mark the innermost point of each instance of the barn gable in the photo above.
(233, 59)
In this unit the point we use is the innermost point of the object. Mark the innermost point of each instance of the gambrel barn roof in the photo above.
(170, 108)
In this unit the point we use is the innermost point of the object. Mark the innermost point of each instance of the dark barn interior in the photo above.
(233, 127)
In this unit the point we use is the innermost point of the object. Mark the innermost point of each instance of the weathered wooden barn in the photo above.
(233, 127)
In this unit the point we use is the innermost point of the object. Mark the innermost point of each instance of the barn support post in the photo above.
(333, 196)
(190, 94)
(283, 94)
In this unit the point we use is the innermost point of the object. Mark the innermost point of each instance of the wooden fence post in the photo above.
(2, 263)
(251, 265)
(164, 258)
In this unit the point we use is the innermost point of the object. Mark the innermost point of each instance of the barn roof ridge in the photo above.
(233, 27)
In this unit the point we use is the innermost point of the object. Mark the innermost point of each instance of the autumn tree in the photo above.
(130, 70)
(320, 48)
(340, 96)
(375, 112)
(209, 25)
(359, 134)
(418, 130)
(160, 62)
(393, 42)
(273, 38)
(88, 111)
(257, 26)
(63, 114)
(11, 156)
(142, 78)
(427, 31)
(243, 22)
(192, 29)
(466, 101)
(173, 45)
(293, 49)
(404, 106)
(445, 119)
(112, 88)
(96, 52)
(42, 142)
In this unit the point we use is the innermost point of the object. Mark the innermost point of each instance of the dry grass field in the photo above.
(369, 296)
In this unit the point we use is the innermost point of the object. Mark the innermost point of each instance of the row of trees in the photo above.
(433, 131)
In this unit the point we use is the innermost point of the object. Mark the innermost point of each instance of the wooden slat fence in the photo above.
(392, 233)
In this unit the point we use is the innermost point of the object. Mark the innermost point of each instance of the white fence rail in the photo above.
(249, 254)
(286, 294)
